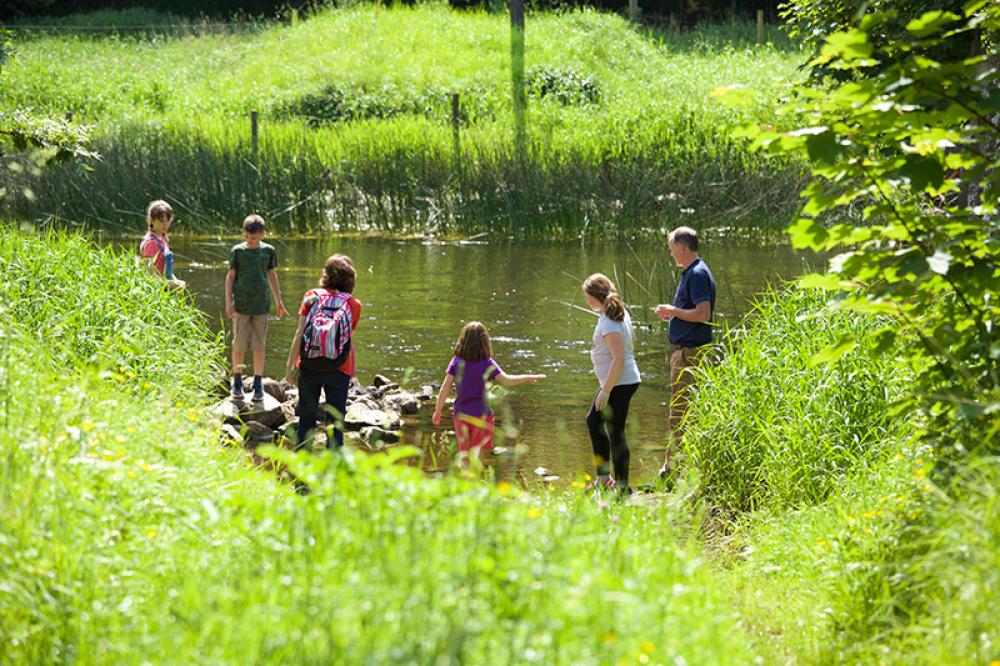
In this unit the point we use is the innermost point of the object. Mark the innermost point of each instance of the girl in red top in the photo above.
(316, 373)
(155, 247)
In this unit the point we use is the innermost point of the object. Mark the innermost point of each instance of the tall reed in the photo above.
(770, 426)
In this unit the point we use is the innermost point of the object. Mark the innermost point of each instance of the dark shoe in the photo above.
(600, 485)
(258, 394)
(237, 392)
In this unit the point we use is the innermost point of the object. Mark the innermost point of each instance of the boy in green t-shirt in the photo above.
(248, 300)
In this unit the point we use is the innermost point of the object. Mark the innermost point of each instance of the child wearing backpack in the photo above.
(469, 371)
(322, 351)
(154, 248)
(250, 281)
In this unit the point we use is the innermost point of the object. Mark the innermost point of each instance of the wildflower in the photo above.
(534, 512)
(609, 638)
(647, 646)
(586, 477)
(151, 534)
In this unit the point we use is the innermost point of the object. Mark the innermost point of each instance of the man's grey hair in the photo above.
(685, 235)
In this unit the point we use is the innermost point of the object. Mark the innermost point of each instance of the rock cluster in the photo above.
(373, 418)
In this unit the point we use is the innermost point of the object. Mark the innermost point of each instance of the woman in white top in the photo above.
(618, 374)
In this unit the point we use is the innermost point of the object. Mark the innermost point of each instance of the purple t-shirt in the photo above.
(470, 385)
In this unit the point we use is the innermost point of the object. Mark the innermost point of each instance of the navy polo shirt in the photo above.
(697, 285)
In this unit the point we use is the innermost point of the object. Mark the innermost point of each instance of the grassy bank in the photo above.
(129, 536)
(833, 541)
(356, 124)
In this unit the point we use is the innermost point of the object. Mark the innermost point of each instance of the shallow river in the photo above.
(417, 297)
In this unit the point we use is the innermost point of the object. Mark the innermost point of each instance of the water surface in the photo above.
(418, 295)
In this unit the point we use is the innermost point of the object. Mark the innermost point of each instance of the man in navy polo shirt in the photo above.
(690, 331)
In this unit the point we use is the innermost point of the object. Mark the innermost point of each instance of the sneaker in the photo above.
(258, 393)
(237, 392)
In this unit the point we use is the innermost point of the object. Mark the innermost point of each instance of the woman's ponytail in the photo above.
(600, 287)
(613, 307)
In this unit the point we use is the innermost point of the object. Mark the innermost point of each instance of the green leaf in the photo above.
(823, 147)
(835, 352)
(851, 44)
(807, 233)
(922, 172)
(883, 339)
(939, 262)
(824, 281)
(931, 22)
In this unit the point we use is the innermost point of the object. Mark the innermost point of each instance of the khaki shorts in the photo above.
(249, 332)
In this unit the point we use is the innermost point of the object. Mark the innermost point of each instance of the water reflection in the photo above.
(417, 297)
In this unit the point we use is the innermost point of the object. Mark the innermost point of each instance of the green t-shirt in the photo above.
(251, 292)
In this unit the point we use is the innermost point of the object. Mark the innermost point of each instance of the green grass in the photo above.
(128, 535)
(170, 116)
(795, 428)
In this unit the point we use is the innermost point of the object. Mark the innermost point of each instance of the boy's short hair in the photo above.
(253, 224)
(686, 236)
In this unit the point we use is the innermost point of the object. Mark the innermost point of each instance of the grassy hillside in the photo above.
(356, 123)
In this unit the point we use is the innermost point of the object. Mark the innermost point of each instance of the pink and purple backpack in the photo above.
(328, 326)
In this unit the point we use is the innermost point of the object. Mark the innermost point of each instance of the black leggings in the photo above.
(615, 448)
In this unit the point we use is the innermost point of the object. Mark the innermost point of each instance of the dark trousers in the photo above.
(334, 385)
(611, 421)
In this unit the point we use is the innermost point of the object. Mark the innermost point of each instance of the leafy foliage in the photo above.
(28, 142)
(907, 142)
(567, 85)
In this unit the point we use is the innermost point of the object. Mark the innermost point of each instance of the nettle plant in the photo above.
(903, 145)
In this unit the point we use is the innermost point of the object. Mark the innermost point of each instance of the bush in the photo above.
(565, 84)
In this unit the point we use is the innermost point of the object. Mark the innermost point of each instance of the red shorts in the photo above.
(474, 432)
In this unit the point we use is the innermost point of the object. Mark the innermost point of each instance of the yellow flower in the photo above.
(609, 637)
(151, 534)
(586, 477)
(647, 646)
(534, 512)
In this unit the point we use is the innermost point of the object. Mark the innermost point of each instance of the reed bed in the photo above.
(773, 427)
(356, 129)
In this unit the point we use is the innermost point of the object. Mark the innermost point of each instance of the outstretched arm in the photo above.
(446, 385)
(514, 380)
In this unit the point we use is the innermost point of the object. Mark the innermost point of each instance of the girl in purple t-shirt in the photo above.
(469, 371)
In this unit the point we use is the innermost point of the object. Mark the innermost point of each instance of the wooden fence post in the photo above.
(633, 10)
(517, 74)
(455, 129)
(760, 26)
(253, 133)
